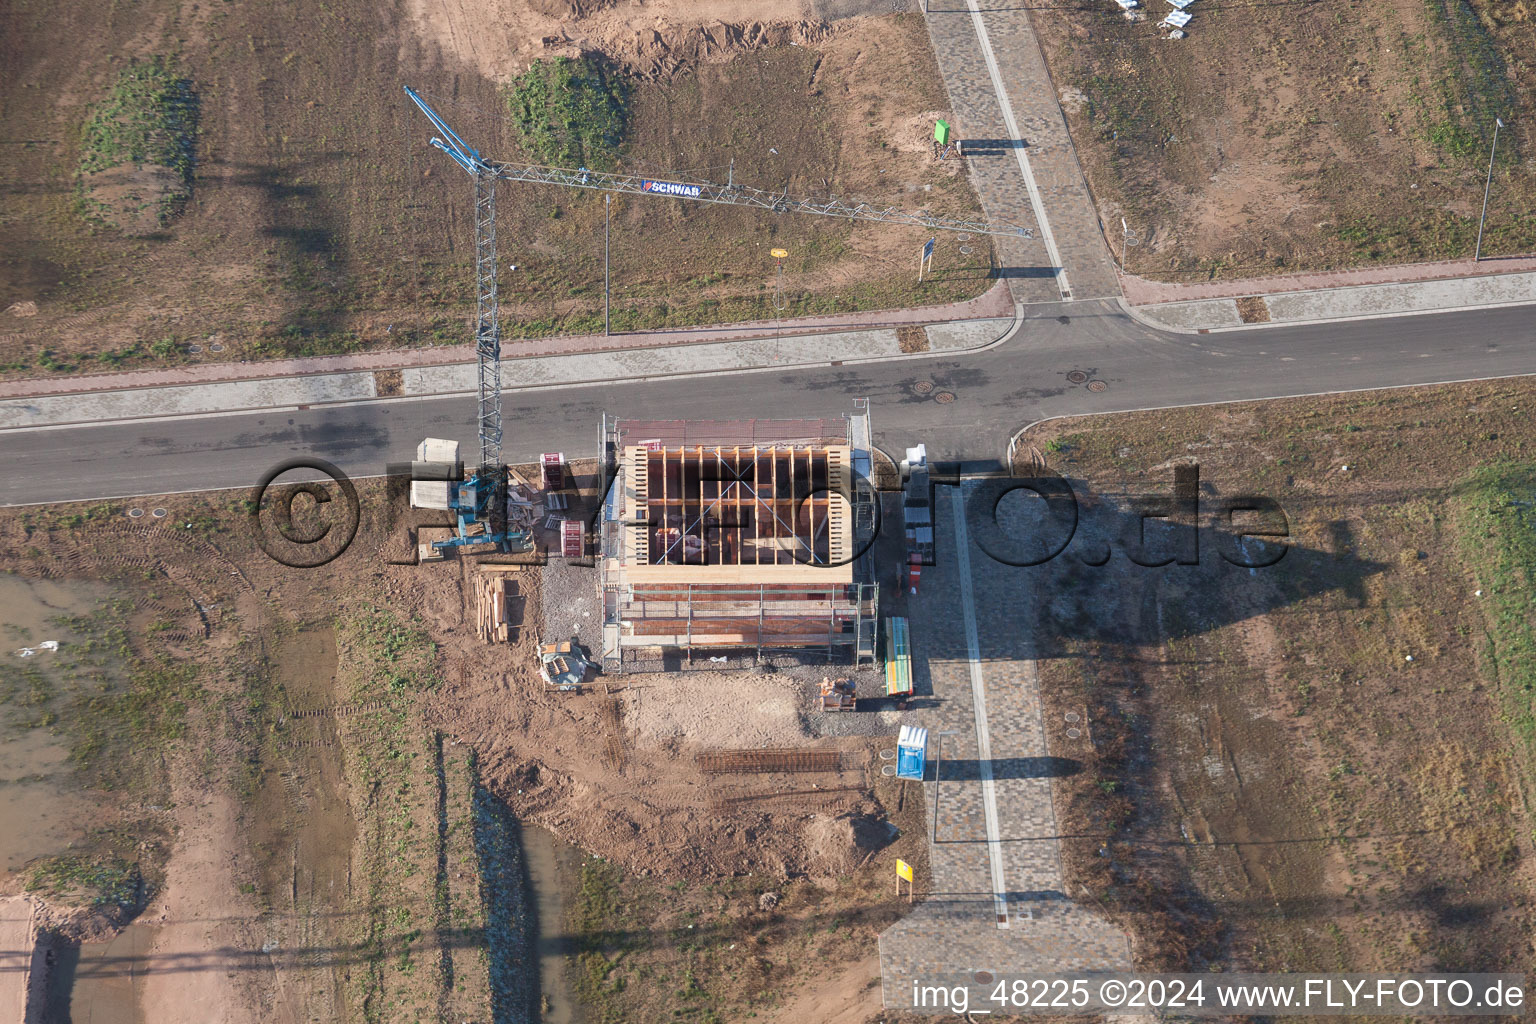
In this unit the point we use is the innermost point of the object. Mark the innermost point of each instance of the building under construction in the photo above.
(739, 539)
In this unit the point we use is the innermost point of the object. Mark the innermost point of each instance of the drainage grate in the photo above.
(944, 397)
(1076, 376)
(1097, 386)
(922, 387)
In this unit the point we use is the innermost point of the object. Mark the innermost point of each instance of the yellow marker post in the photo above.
(903, 870)
(778, 280)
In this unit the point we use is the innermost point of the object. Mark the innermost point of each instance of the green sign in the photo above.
(941, 132)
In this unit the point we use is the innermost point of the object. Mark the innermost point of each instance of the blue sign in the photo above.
(928, 248)
(911, 752)
(670, 188)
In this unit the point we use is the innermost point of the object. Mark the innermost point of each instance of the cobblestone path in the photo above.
(997, 902)
(1021, 158)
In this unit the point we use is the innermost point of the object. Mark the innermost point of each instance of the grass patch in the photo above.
(394, 657)
(1498, 539)
(1476, 91)
(148, 121)
(570, 112)
(597, 918)
(119, 701)
(422, 926)
(80, 881)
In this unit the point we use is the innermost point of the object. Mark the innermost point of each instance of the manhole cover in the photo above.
(944, 397)
(887, 755)
(1073, 734)
(159, 513)
(194, 349)
(1071, 716)
(965, 250)
(962, 237)
(1076, 376)
(1097, 386)
(135, 513)
(888, 770)
(983, 977)
(922, 387)
(215, 347)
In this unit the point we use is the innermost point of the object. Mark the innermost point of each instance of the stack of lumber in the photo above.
(494, 588)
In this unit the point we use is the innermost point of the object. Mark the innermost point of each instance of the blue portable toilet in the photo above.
(911, 752)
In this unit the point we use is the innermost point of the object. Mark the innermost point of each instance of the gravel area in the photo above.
(568, 595)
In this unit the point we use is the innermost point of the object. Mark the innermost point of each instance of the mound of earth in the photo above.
(835, 847)
(499, 38)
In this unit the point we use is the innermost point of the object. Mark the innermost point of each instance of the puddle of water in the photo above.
(552, 864)
(42, 810)
(100, 982)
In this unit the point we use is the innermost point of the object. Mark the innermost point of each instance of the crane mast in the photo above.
(487, 321)
(483, 504)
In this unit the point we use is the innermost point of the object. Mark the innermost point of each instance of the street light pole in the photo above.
(1478, 253)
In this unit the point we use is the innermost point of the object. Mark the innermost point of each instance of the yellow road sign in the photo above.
(779, 254)
(903, 869)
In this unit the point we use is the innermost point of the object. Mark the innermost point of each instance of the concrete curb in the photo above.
(979, 308)
(357, 386)
(1356, 303)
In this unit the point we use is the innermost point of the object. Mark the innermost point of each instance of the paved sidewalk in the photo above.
(1331, 304)
(302, 390)
(1021, 159)
(997, 902)
(995, 302)
(1140, 292)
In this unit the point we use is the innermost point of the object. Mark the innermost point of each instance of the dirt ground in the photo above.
(1287, 137)
(326, 689)
(1321, 764)
(321, 221)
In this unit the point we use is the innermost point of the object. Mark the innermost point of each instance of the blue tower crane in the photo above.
(477, 501)
(481, 498)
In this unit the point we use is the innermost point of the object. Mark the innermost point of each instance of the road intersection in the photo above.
(997, 389)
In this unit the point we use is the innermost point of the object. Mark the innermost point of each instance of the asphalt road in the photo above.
(997, 392)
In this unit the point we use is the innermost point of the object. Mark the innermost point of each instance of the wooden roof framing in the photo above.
(737, 513)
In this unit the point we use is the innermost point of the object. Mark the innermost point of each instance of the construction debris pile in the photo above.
(837, 695)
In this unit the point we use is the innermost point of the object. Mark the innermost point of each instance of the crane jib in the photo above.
(670, 188)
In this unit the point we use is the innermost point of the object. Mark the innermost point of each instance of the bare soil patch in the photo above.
(331, 796)
(1313, 765)
(1287, 137)
(321, 222)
